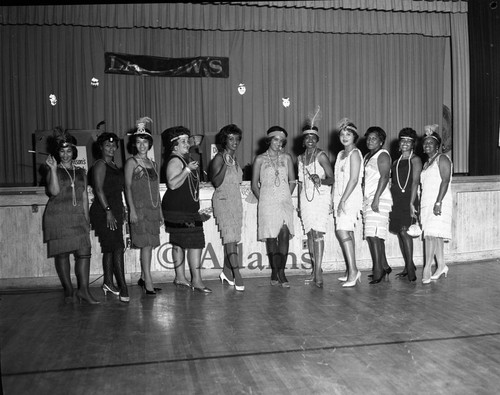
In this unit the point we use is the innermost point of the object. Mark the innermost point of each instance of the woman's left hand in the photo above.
(375, 205)
(437, 209)
(111, 220)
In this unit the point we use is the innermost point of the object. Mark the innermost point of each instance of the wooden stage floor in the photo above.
(390, 338)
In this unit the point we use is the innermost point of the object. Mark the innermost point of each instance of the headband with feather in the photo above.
(313, 118)
(347, 124)
(63, 138)
(141, 125)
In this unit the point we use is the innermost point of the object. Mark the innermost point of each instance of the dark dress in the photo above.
(181, 212)
(64, 224)
(400, 216)
(113, 184)
(146, 196)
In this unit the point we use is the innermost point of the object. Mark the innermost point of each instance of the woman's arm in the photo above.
(52, 179)
(291, 173)
(257, 163)
(98, 175)
(416, 163)
(327, 167)
(129, 172)
(384, 168)
(85, 198)
(445, 172)
(355, 165)
(177, 174)
(217, 170)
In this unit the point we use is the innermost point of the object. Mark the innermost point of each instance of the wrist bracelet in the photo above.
(107, 208)
(188, 169)
(437, 204)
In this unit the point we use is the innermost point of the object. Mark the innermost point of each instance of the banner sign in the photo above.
(201, 66)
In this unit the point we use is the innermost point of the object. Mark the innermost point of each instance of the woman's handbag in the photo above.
(414, 230)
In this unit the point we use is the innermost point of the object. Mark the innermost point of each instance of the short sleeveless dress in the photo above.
(146, 196)
(435, 225)
(65, 226)
(400, 217)
(227, 205)
(375, 224)
(353, 205)
(315, 202)
(181, 213)
(275, 207)
(110, 240)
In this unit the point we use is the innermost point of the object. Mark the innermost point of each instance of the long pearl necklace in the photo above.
(409, 171)
(312, 159)
(73, 193)
(277, 181)
(193, 181)
(155, 205)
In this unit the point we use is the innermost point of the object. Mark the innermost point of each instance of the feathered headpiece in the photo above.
(63, 138)
(313, 118)
(347, 124)
(141, 125)
(430, 131)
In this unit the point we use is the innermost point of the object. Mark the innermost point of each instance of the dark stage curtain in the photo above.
(390, 80)
(484, 37)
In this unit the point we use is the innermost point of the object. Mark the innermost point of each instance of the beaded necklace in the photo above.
(408, 175)
(143, 165)
(73, 193)
(277, 181)
(193, 181)
(305, 163)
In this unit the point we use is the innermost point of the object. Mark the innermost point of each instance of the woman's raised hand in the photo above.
(51, 162)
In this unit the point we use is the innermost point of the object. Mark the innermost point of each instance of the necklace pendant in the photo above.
(403, 190)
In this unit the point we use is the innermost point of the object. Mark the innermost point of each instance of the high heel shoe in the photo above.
(124, 299)
(437, 274)
(86, 298)
(182, 284)
(319, 284)
(353, 283)
(106, 288)
(223, 278)
(343, 278)
(426, 281)
(204, 290)
(274, 282)
(377, 280)
(142, 283)
(240, 288)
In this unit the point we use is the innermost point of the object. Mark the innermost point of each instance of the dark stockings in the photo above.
(231, 260)
(277, 253)
(63, 269)
(406, 245)
(107, 269)
(82, 270)
(378, 256)
(119, 271)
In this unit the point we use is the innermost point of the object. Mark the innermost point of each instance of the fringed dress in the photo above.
(275, 207)
(112, 186)
(315, 201)
(146, 196)
(375, 224)
(227, 205)
(65, 227)
(181, 208)
(435, 225)
(347, 221)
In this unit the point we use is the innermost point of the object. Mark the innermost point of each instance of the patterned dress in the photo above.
(110, 240)
(227, 205)
(315, 202)
(347, 220)
(275, 207)
(435, 225)
(65, 226)
(375, 224)
(146, 196)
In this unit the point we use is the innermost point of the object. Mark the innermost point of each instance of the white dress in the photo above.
(435, 225)
(315, 202)
(347, 220)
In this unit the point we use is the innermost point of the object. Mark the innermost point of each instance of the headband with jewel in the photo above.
(141, 126)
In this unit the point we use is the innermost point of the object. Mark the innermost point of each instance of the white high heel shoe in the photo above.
(353, 282)
(437, 274)
(223, 278)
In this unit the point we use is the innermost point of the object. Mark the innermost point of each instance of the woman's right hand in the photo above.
(413, 211)
(111, 220)
(51, 162)
(341, 208)
(133, 217)
(193, 165)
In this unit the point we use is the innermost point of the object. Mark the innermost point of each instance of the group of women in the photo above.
(385, 193)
